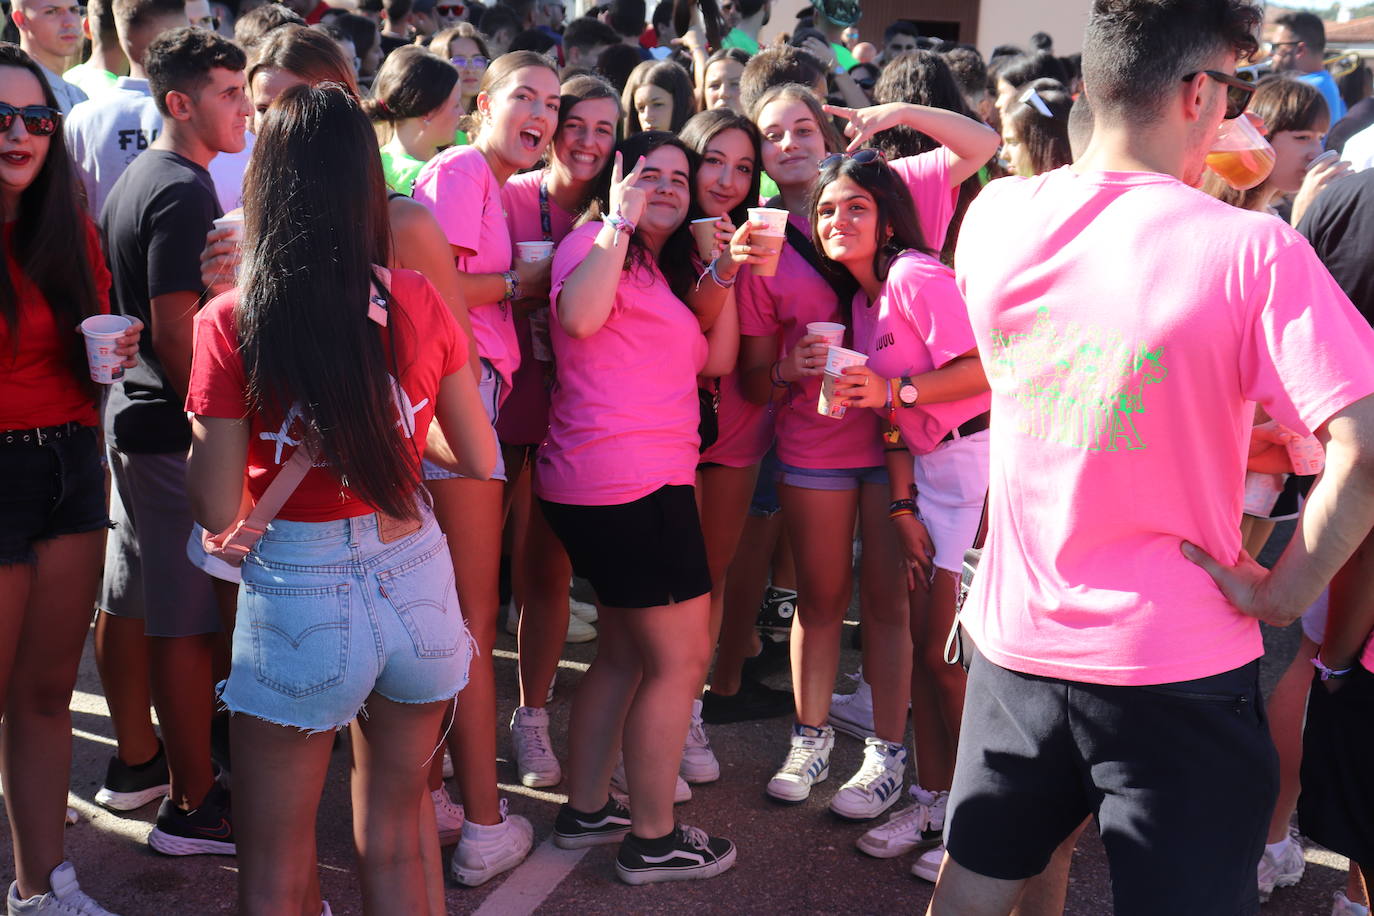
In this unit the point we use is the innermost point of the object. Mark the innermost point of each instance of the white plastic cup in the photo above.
(101, 333)
(836, 360)
(231, 220)
(772, 217)
(832, 331)
(1307, 455)
(772, 237)
(533, 251)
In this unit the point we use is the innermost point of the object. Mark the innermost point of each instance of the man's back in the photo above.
(108, 132)
(1125, 322)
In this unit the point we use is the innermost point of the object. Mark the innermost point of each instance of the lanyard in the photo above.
(545, 222)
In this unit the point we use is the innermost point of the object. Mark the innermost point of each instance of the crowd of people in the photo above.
(428, 307)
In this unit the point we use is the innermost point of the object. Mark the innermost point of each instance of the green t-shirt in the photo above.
(91, 79)
(843, 57)
(768, 188)
(400, 169)
(740, 39)
(460, 138)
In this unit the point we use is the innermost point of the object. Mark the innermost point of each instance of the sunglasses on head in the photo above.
(450, 9)
(862, 157)
(1238, 91)
(476, 60)
(39, 120)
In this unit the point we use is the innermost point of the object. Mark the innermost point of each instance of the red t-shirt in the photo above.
(37, 384)
(429, 346)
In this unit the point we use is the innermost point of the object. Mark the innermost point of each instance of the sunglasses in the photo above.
(475, 61)
(862, 157)
(1238, 91)
(39, 120)
(450, 9)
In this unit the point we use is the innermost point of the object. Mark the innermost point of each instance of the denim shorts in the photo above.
(830, 478)
(50, 490)
(764, 503)
(489, 389)
(328, 613)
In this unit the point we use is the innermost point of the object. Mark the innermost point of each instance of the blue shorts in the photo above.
(489, 389)
(830, 478)
(328, 614)
(765, 502)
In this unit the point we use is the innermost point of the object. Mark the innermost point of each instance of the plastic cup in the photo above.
(771, 237)
(837, 359)
(534, 251)
(704, 231)
(832, 331)
(232, 220)
(1240, 155)
(101, 333)
(1307, 455)
(772, 217)
(1328, 156)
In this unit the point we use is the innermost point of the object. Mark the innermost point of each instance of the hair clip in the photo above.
(1032, 98)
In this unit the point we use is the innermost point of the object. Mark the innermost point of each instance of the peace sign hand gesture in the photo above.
(626, 199)
(865, 122)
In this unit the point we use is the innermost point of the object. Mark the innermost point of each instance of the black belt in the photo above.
(40, 434)
(968, 427)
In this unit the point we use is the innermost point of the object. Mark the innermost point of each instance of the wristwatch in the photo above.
(907, 392)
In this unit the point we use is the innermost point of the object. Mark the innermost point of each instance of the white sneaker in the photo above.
(903, 832)
(699, 762)
(534, 757)
(579, 630)
(582, 610)
(1341, 906)
(1281, 868)
(876, 786)
(927, 867)
(852, 713)
(65, 899)
(807, 763)
(621, 786)
(448, 816)
(484, 851)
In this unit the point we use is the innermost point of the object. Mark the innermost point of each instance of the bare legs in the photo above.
(724, 494)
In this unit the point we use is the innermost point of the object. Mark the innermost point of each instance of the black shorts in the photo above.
(646, 553)
(1181, 778)
(50, 490)
(1336, 807)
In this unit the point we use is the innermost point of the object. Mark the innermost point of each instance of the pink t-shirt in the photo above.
(1126, 323)
(918, 323)
(459, 188)
(624, 415)
(746, 428)
(525, 415)
(927, 178)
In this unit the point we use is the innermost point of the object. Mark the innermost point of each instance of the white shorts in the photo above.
(951, 486)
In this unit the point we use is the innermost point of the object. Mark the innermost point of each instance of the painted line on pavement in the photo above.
(532, 882)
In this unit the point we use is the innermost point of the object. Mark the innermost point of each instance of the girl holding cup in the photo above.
(541, 206)
(52, 530)
(924, 372)
(832, 469)
(517, 111)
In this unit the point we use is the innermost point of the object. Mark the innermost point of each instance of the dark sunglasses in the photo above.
(476, 60)
(862, 157)
(450, 9)
(1238, 91)
(39, 120)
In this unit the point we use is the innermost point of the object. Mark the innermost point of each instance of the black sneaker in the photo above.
(683, 855)
(127, 788)
(753, 701)
(205, 831)
(776, 613)
(219, 744)
(574, 830)
(774, 656)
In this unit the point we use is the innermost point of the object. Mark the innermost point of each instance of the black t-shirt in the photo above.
(1360, 116)
(1340, 226)
(154, 223)
(391, 43)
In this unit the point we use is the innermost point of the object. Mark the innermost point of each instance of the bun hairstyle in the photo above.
(411, 83)
(498, 73)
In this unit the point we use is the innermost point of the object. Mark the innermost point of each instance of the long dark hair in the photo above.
(302, 316)
(669, 76)
(1044, 139)
(704, 127)
(675, 258)
(50, 222)
(411, 83)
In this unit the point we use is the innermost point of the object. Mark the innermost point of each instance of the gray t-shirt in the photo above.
(107, 133)
(68, 95)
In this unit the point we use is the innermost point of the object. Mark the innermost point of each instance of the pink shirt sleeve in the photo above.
(570, 253)
(927, 178)
(942, 320)
(454, 189)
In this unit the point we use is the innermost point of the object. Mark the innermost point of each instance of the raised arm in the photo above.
(586, 297)
(970, 143)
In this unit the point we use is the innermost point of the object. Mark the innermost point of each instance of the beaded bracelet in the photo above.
(776, 374)
(897, 505)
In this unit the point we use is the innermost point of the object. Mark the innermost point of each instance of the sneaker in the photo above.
(582, 610)
(752, 701)
(579, 630)
(573, 830)
(206, 830)
(1342, 906)
(1280, 868)
(448, 764)
(777, 612)
(852, 713)
(534, 757)
(128, 788)
(448, 816)
(927, 867)
(324, 908)
(774, 655)
(548, 697)
(903, 832)
(619, 784)
(699, 762)
(486, 850)
(936, 803)
(877, 785)
(685, 854)
(807, 763)
(65, 899)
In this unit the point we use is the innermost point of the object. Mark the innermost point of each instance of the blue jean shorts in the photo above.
(830, 478)
(489, 389)
(328, 614)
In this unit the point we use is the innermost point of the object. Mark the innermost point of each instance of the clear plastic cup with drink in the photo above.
(837, 359)
(1240, 155)
(771, 236)
(102, 333)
